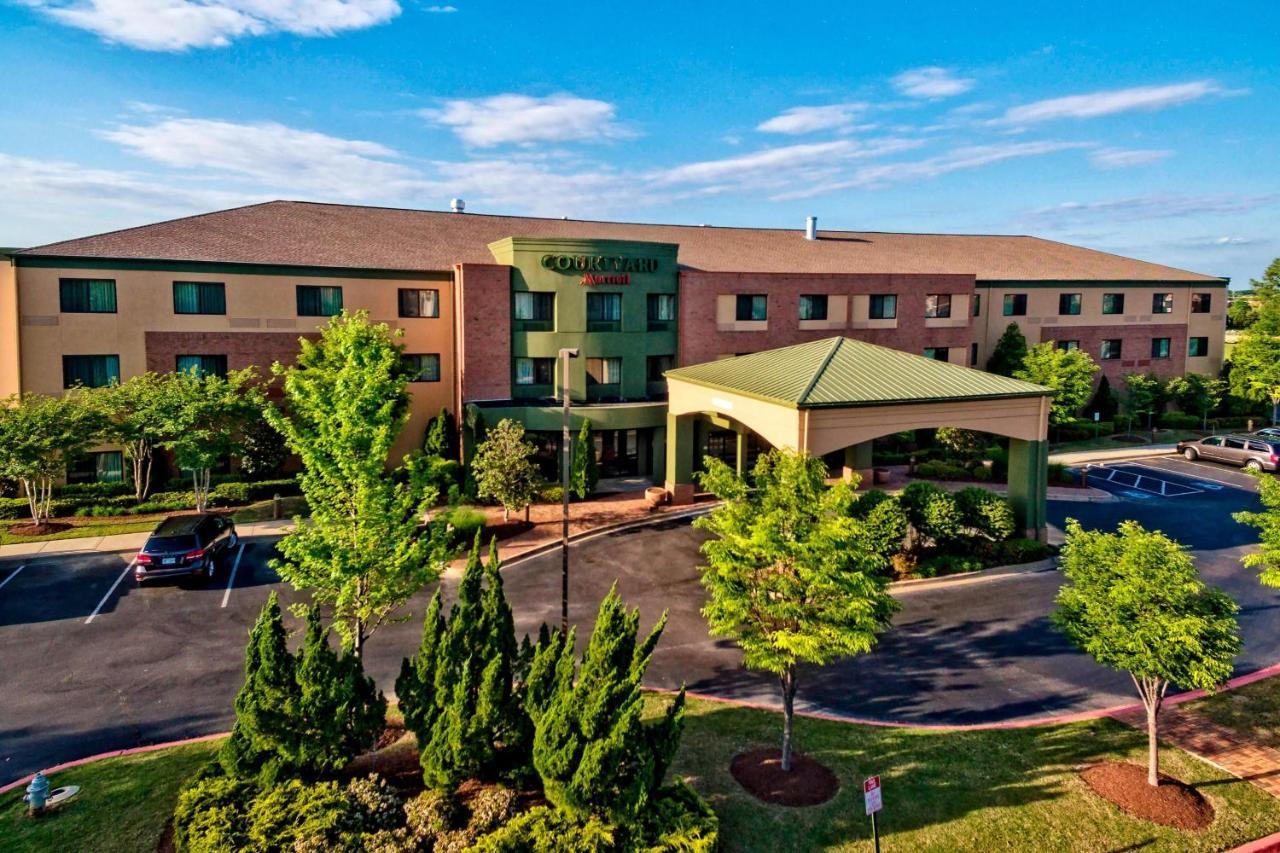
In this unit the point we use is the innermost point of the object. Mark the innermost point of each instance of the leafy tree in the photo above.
(592, 752)
(885, 522)
(1240, 313)
(790, 571)
(504, 470)
(207, 412)
(262, 449)
(39, 437)
(136, 413)
(442, 436)
(1134, 602)
(364, 552)
(1010, 351)
(1142, 395)
(1255, 361)
(987, 514)
(966, 443)
(585, 473)
(1197, 394)
(1068, 372)
(932, 513)
(1267, 557)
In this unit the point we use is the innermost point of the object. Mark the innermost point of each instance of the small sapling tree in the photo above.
(504, 470)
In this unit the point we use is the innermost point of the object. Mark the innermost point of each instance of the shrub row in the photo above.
(228, 493)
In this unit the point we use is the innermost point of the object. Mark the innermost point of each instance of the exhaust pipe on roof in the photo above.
(457, 205)
(811, 228)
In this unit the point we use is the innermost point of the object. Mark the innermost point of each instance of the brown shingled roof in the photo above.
(332, 235)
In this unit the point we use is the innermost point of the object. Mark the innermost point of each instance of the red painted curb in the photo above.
(1270, 844)
(66, 765)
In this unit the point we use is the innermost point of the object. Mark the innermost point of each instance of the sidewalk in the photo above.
(121, 541)
(898, 480)
(1138, 451)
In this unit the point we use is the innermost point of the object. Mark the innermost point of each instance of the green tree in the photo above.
(1104, 401)
(1010, 351)
(590, 749)
(262, 449)
(1240, 313)
(585, 472)
(791, 573)
(207, 413)
(1197, 394)
(136, 413)
(1267, 558)
(504, 470)
(1255, 360)
(39, 437)
(965, 443)
(1134, 602)
(1068, 372)
(932, 513)
(441, 438)
(1142, 396)
(364, 552)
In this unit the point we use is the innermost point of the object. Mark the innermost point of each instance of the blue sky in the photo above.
(1106, 124)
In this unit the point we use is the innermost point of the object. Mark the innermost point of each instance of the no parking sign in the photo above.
(871, 795)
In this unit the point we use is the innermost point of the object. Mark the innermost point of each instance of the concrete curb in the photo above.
(1136, 452)
(137, 750)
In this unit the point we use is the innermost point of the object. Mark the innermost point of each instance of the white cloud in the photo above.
(525, 120)
(183, 24)
(1096, 104)
(533, 186)
(445, 10)
(799, 120)
(1127, 158)
(1151, 206)
(931, 82)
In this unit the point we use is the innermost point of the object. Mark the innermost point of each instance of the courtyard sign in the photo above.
(600, 266)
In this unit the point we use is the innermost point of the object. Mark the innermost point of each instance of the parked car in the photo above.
(1269, 433)
(185, 545)
(1246, 451)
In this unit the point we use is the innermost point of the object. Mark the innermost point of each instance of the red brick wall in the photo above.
(483, 337)
(242, 349)
(1135, 349)
(700, 341)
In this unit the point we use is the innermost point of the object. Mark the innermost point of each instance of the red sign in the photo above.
(871, 795)
(589, 279)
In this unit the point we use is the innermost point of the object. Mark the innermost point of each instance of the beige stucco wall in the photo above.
(255, 304)
(10, 365)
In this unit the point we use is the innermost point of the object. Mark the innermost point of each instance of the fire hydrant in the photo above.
(37, 794)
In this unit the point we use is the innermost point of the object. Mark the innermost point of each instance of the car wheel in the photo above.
(1190, 454)
(1253, 465)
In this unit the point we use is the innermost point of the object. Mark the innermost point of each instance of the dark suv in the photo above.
(186, 545)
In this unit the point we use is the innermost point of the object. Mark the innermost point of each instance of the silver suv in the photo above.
(1247, 451)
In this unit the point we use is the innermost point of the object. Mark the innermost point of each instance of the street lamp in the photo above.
(566, 463)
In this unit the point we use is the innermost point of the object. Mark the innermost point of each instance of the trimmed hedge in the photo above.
(85, 503)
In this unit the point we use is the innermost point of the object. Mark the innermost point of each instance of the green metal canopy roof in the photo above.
(837, 372)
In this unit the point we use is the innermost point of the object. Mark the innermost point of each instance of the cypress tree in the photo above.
(590, 749)
(1010, 352)
(441, 437)
(585, 473)
(267, 705)
(416, 683)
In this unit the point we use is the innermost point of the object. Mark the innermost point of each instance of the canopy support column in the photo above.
(680, 458)
(857, 461)
(1029, 485)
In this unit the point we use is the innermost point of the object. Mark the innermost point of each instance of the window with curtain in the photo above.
(937, 353)
(534, 312)
(87, 295)
(1110, 349)
(604, 312)
(319, 300)
(535, 371)
(1162, 303)
(813, 307)
(604, 371)
(937, 306)
(91, 371)
(425, 366)
(1015, 304)
(202, 365)
(1159, 347)
(105, 466)
(752, 307)
(199, 297)
(1068, 346)
(884, 306)
(1113, 303)
(419, 302)
(977, 307)
(658, 365)
(661, 311)
(1069, 304)
(1201, 303)
(1197, 347)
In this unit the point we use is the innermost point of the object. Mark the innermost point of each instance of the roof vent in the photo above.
(811, 228)
(457, 205)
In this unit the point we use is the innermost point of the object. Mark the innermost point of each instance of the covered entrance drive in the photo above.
(840, 394)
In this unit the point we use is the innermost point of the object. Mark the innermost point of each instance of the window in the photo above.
(1110, 349)
(534, 312)
(661, 311)
(317, 301)
(937, 353)
(937, 305)
(1197, 347)
(1068, 346)
(973, 355)
(1015, 304)
(202, 365)
(1201, 303)
(87, 295)
(105, 466)
(604, 371)
(884, 306)
(977, 305)
(91, 371)
(425, 367)
(813, 307)
(199, 297)
(1113, 303)
(658, 365)
(1162, 303)
(752, 307)
(535, 371)
(1159, 347)
(604, 312)
(419, 303)
(1068, 304)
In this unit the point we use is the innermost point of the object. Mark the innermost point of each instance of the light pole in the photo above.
(566, 464)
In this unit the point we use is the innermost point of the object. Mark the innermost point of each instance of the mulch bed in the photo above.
(166, 845)
(505, 530)
(1171, 803)
(760, 772)
(39, 529)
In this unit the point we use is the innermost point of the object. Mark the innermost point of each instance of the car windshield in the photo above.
(166, 544)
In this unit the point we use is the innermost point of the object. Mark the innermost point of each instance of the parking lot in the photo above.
(1167, 477)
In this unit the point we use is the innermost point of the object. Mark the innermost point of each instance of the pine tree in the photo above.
(590, 749)
(267, 705)
(585, 472)
(1010, 352)
(441, 437)
(416, 683)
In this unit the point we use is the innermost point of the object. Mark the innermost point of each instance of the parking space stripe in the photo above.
(1195, 476)
(231, 581)
(13, 574)
(126, 571)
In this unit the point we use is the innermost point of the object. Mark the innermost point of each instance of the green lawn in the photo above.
(1163, 436)
(1250, 711)
(1000, 790)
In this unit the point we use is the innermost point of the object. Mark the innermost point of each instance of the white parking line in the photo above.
(1198, 476)
(226, 596)
(13, 574)
(126, 571)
